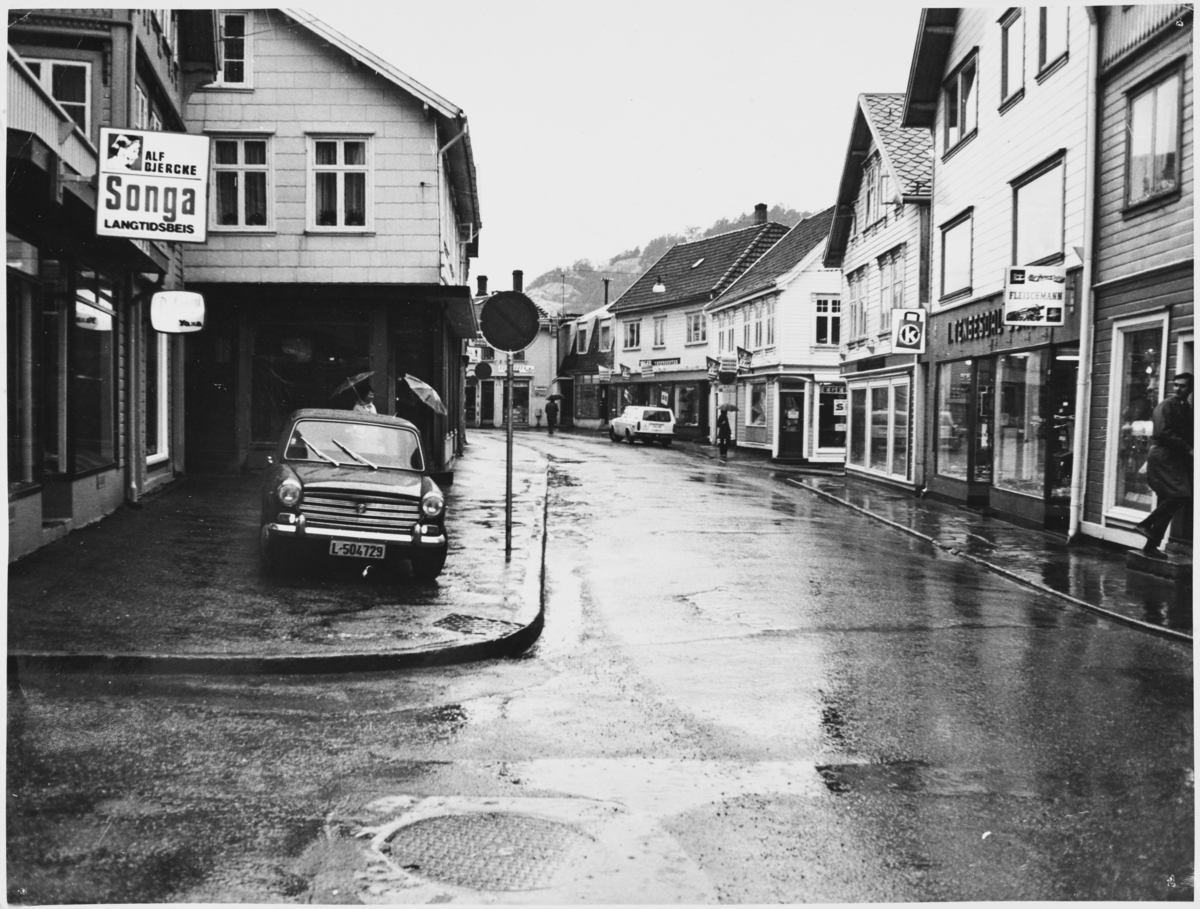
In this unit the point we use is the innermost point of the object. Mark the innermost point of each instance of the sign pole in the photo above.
(508, 421)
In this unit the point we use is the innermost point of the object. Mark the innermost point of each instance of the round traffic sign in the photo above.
(483, 371)
(509, 320)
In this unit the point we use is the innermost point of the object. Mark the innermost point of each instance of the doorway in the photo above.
(791, 423)
(487, 403)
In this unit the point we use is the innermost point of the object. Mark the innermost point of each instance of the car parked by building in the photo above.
(352, 485)
(645, 424)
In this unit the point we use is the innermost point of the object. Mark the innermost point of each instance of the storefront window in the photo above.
(1140, 387)
(831, 417)
(858, 426)
(23, 451)
(985, 371)
(954, 393)
(520, 408)
(1021, 427)
(586, 394)
(303, 365)
(900, 430)
(879, 429)
(758, 404)
(687, 411)
(93, 346)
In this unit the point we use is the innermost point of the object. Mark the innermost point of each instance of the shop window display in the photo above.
(1140, 384)
(1022, 431)
(687, 412)
(879, 429)
(954, 394)
(899, 431)
(858, 426)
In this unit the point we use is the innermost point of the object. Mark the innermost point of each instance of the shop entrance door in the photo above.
(791, 423)
(487, 403)
(469, 404)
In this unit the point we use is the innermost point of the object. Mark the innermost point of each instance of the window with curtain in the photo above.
(340, 184)
(240, 172)
(1153, 140)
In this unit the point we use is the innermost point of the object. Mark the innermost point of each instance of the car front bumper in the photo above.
(420, 536)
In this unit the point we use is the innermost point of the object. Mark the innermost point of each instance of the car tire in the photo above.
(426, 566)
(612, 435)
(629, 437)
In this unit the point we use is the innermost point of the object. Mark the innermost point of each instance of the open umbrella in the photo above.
(725, 408)
(425, 393)
(555, 397)
(351, 381)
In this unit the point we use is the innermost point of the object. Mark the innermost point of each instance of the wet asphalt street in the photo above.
(742, 693)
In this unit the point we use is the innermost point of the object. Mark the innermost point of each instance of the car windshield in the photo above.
(657, 416)
(359, 444)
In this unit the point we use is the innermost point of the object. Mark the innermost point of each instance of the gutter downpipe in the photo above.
(1083, 384)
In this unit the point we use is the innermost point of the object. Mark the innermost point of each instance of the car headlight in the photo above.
(289, 493)
(432, 506)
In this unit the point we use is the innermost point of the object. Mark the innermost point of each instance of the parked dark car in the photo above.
(352, 485)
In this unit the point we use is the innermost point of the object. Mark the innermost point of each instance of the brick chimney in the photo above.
(482, 279)
(760, 213)
(518, 280)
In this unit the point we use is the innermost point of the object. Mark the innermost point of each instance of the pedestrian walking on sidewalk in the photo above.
(1169, 464)
(723, 433)
(551, 414)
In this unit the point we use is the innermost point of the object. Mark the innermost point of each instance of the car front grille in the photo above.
(359, 511)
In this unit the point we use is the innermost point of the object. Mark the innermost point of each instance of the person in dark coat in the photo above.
(723, 432)
(551, 414)
(1169, 464)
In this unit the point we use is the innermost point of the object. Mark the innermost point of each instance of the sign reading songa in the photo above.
(153, 186)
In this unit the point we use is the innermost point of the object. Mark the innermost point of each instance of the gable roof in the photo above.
(451, 119)
(907, 153)
(701, 270)
(935, 35)
(781, 258)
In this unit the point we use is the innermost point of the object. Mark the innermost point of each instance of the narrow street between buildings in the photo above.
(743, 692)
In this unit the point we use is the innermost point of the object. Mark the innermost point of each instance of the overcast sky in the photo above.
(598, 125)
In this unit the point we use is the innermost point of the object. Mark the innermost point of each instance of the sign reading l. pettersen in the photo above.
(1034, 295)
(153, 186)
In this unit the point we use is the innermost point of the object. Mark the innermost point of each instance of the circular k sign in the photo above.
(910, 332)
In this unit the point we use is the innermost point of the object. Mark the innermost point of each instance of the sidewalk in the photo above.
(175, 586)
(1088, 574)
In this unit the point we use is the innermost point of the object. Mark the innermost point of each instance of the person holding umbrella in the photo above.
(723, 432)
(551, 412)
(366, 404)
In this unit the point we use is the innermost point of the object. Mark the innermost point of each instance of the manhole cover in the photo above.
(473, 624)
(485, 851)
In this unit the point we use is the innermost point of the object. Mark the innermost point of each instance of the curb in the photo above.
(530, 616)
(1159, 630)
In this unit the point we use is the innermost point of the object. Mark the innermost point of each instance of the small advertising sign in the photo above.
(153, 186)
(745, 359)
(1034, 295)
(908, 331)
